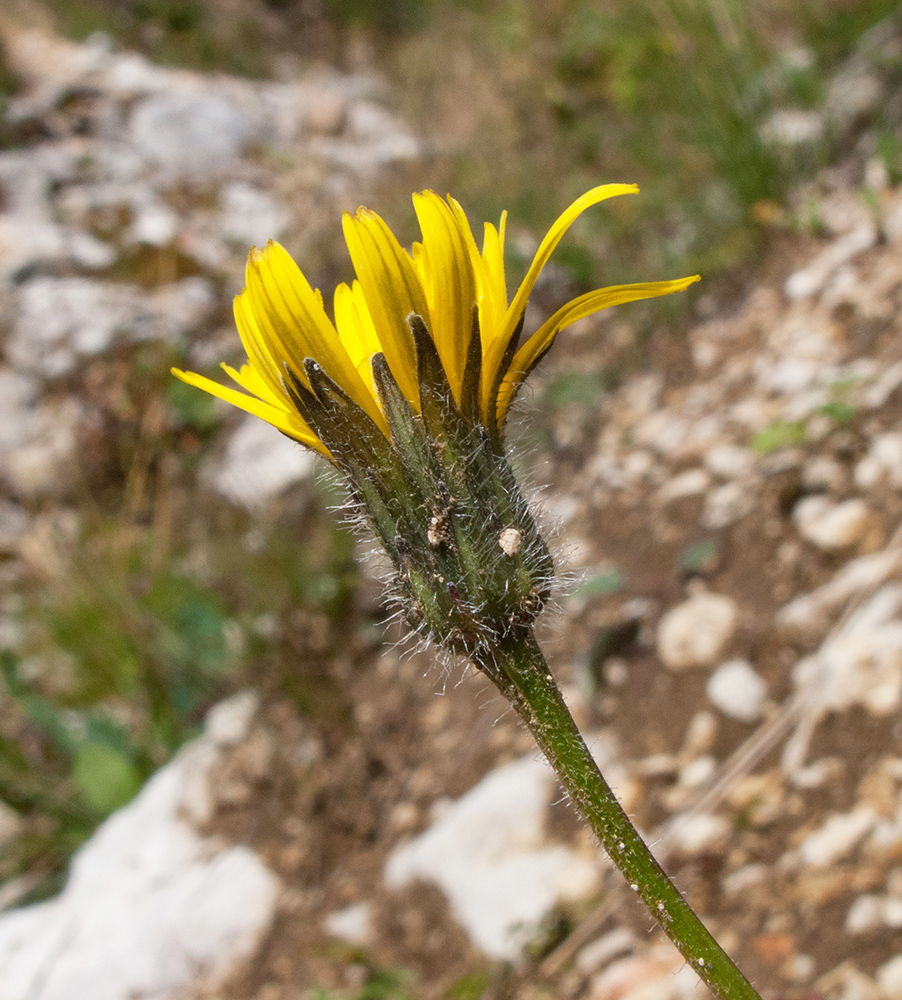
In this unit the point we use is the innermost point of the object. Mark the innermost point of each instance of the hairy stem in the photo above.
(519, 670)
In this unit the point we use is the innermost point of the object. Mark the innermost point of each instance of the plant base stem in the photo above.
(521, 673)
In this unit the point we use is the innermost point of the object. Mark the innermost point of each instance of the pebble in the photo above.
(729, 461)
(882, 464)
(599, 953)
(889, 979)
(823, 473)
(737, 690)
(693, 834)
(696, 632)
(860, 663)
(659, 974)
(830, 525)
(837, 837)
(727, 504)
(353, 924)
(686, 484)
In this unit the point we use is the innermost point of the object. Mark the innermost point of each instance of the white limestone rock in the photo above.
(860, 663)
(192, 136)
(839, 835)
(62, 319)
(151, 907)
(489, 854)
(696, 632)
(882, 465)
(830, 525)
(259, 463)
(737, 690)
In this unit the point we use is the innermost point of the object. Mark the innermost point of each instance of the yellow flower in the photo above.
(458, 291)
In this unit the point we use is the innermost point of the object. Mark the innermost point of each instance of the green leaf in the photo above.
(105, 776)
(601, 584)
(779, 434)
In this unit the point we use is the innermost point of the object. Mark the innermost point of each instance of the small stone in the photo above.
(823, 473)
(326, 112)
(353, 924)
(729, 461)
(727, 504)
(882, 463)
(490, 854)
(889, 979)
(696, 632)
(229, 722)
(837, 838)
(599, 953)
(699, 833)
(831, 525)
(737, 690)
(42, 466)
(865, 914)
(686, 484)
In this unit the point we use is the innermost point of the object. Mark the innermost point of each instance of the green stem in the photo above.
(521, 673)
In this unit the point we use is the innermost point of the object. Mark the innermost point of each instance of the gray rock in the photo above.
(190, 136)
(250, 215)
(259, 463)
(62, 319)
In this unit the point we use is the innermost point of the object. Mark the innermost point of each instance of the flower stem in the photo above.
(519, 669)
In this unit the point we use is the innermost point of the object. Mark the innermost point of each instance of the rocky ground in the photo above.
(730, 508)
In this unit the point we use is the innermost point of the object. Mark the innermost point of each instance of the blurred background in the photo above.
(713, 461)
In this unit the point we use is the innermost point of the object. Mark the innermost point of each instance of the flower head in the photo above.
(458, 291)
(407, 392)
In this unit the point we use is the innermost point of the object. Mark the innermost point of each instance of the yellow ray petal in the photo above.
(291, 318)
(493, 265)
(266, 366)
(250, 380)
(449, 283)
(488, 269)
(499, 345)
(287, 422)
(358, 334)
(392, 290)
(592, 302)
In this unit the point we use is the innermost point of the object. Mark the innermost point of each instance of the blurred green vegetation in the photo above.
(146, 608)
